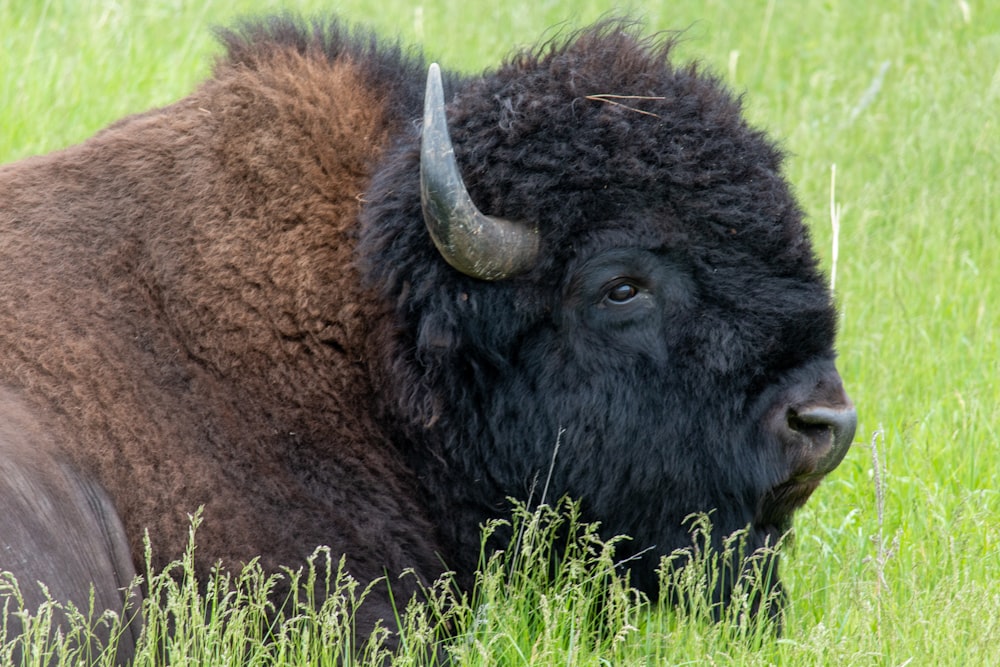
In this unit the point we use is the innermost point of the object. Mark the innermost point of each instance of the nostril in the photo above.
(841, 420)
(816, 422)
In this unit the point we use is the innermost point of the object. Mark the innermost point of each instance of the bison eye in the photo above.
(621, 293)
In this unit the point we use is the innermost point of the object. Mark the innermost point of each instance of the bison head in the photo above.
(643, 291)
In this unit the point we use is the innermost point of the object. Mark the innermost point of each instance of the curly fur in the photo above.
(656, 421)
(232, 302)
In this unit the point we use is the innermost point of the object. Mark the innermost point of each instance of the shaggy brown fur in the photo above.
(179, 307)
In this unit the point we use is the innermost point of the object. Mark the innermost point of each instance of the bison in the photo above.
(336, 300)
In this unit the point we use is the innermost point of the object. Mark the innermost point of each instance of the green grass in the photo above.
(904, 98)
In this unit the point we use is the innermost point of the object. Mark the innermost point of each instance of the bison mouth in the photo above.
(780, 502)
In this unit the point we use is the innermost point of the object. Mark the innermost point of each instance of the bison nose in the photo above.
(827, 430)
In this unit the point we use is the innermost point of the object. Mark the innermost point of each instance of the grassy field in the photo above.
(891, 113)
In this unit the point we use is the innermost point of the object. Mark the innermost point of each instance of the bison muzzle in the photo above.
(290, 301)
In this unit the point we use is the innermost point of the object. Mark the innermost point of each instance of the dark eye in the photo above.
(622, 293)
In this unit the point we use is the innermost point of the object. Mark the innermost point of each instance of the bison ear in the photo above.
(478, 245)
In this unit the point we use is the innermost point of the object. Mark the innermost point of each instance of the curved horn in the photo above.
(478, 245)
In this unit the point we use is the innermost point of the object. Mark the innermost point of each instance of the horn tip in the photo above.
(434, 72)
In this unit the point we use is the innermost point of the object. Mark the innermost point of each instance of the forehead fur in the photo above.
(600, 130)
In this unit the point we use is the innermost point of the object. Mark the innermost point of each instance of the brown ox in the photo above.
(246, 301)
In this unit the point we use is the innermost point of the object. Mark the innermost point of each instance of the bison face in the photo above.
(667, 348)
(666, 402)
